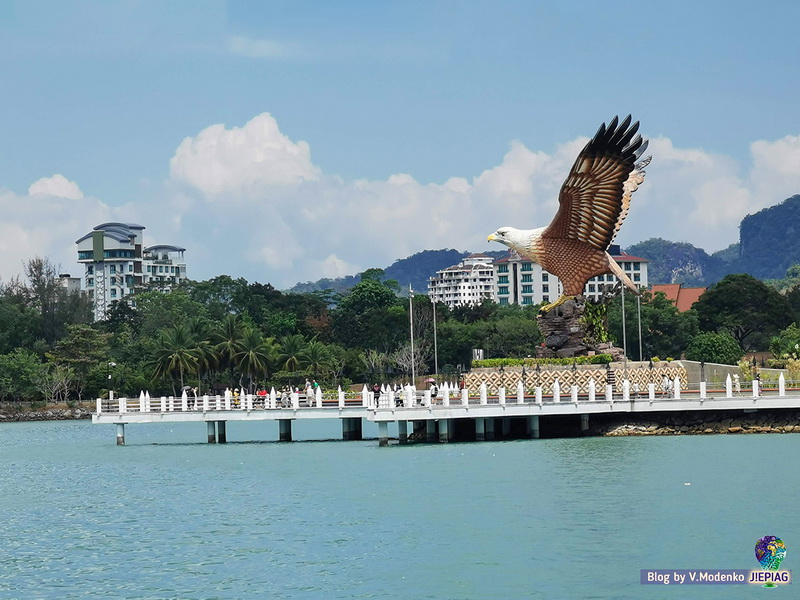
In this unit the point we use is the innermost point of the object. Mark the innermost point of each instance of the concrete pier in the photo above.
(383, 433)
(444, 430)
(430, 430)
(285, 430)
(533, 426)
(402, 432)
(212, 432)
(222, 435)
(584, 423)
(488, 429)
(480, 431)
(506, 427)
(351, 429)
(120, 434)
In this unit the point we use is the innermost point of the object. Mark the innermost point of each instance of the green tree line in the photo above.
(226, 332)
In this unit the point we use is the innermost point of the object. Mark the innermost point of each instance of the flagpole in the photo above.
(435, 347)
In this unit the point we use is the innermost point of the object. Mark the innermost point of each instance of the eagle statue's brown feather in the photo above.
(593, 203)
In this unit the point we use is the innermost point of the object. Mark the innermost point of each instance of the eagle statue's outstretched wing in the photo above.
(595, 197)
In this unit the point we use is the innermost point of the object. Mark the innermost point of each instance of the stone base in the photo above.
(565, 335)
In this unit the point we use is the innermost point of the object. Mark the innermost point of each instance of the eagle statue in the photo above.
(593, 203)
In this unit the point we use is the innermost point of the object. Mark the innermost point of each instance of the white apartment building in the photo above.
(469, 282)
(116, 264)
(522, 281)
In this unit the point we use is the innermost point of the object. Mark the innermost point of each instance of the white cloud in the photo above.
(45, 225)
(56, 186)
(241, 161)
(250, 202)
(244, 46)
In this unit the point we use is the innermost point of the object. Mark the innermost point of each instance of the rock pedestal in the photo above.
(565, 333)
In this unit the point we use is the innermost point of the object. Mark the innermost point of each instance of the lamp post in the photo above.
(411, 326)
(108, 376)
(435, 346)
(639, 314)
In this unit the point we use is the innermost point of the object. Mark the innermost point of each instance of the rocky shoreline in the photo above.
(46, 414)
(699, 423)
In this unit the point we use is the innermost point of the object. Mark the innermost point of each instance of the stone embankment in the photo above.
(44, 414)
(698, 423)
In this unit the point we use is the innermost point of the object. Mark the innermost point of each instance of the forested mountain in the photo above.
(769, 244)
(414, 270)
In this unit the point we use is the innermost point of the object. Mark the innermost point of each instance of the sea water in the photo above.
(168, 516)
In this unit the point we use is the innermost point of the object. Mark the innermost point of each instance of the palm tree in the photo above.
(292, 357)
(227, 340)
(175, 354)
(256, 355)
(207, 358)
(317, 357)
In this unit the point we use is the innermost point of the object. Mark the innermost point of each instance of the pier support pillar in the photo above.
(284, 430)
(402, 432)
(584, 423)
(533, 427)
(444, 430)
(212, 432)
(506, 427)
(430, 430)
(120, 434)
(351, 429)
(488, 429)
(480, 431)
(419, 430)
(222, 434)
(383, 433)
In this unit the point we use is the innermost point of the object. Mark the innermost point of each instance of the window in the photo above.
(130, 267)
(160, 269)
(546, 298)
(527, 300)
(90, 281)
(545, 277)
(85, 255)
(627, 266)
(502, 290)
(502, 279)
(113, 292)
(635, 266)
(636, 277)
(90, 270)
(113, 280)
(503, 300)
(591, 288)
(527, 266)
(527, 278)
(502, 268)
(527, 289)
(112, 269)
(546, 288)
(609, 277)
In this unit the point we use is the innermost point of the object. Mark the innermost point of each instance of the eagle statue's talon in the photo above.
(548, 307)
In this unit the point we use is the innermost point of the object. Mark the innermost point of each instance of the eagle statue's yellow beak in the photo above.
(490, 238)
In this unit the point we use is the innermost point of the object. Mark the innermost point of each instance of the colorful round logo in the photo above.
(770, 552)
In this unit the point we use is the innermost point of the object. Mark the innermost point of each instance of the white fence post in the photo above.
(556, 391)
(99, 405)
(592, 390)
(539, 394)
(676, 385)
(626, 390)
(781, 385)
(341, 397)
(501, 393)
(483, 393)
(520, 393)
(465, 397)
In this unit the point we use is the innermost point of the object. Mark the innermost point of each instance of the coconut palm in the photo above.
(317, 357)
(257, 354)
(292, 356)
(227, 340)
(175, 354)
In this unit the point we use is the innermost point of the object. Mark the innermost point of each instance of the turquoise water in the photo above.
(170, 517)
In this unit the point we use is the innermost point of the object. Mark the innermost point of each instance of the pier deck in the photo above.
(432, 414)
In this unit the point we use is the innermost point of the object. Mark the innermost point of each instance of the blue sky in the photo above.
(330, 137)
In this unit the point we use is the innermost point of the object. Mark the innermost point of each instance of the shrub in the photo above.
(496, 363)
(715, 348)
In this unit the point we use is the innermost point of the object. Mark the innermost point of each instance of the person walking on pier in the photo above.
(376, 392)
